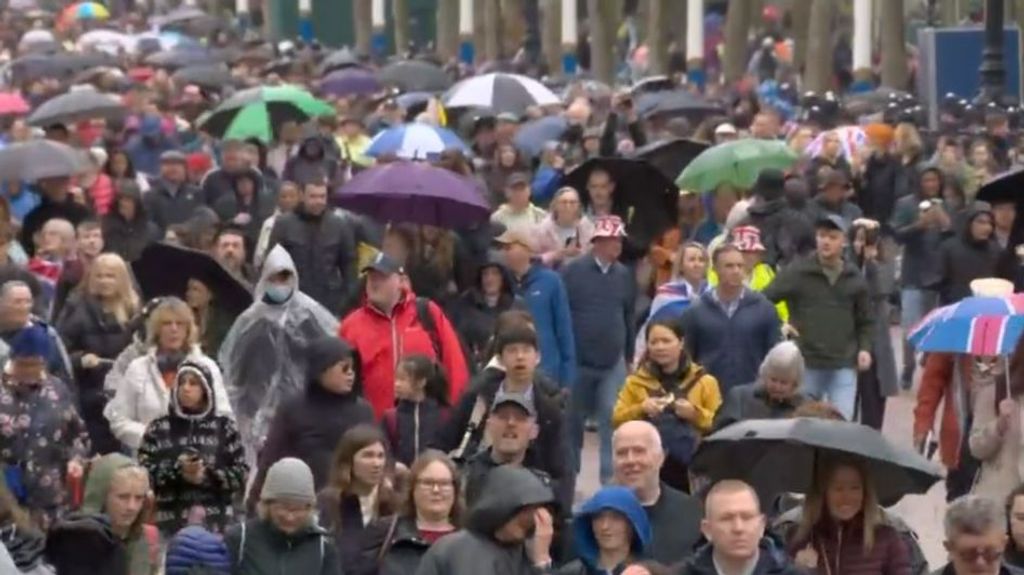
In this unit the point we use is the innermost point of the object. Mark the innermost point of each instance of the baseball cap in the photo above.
(609, 227)
(832, 221)
(503, 398)
(510, 236)
(384, 264)
(747, 239)
(517, 179)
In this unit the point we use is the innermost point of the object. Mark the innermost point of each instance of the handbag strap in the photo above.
(388, 538)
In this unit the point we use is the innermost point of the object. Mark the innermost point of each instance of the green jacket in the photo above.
(101, 472)
(834, 321)
(258, 548)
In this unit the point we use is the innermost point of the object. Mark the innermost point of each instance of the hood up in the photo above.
(621, 500)
(190, 367)
(277, 261)
(508, 489)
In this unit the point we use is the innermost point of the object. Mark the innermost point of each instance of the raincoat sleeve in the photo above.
(985, 439)
(629, 405)
(706, 399)
(120, 412)
(220, 392)
(564, 335)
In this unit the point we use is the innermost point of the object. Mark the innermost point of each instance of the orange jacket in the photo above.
(939, 381)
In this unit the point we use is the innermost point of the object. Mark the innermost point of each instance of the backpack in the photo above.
(426, 319)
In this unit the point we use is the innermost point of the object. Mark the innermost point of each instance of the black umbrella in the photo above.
(210, 76)
(1005, 187)
(38, 159)
(650, 84)
(62, 66)
(78, 104)
(164, 270)
(338, 60)
(182, 58)
(414, 76)
(781, 455)
(670, 156)
(644, 198)
(178, 16)
(675, 103)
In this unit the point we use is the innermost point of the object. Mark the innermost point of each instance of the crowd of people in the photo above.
(329, 391)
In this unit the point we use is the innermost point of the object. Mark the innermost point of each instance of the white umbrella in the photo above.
(501, 92)
(37, 36)
(109, 41)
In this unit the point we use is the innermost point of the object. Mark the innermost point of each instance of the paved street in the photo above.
(922, 512)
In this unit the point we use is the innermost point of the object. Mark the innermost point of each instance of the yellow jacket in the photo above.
(704, 395)
(760, 278)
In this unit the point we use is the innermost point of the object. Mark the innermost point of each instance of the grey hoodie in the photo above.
(474, 550)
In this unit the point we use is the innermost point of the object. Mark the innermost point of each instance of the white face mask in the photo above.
(279, 293)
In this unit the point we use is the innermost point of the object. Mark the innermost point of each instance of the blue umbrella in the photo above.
(415, 141)
(532, 136)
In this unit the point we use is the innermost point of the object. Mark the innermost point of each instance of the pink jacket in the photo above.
(548, 242)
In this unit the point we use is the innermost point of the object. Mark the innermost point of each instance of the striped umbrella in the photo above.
(851, 138)
(85, 11)
(974, 325)
(415, 141)
(500, 92)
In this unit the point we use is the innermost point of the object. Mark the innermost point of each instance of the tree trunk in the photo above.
(513, 26)
(602, 39)
(551, 35)
(737, 29)
(479, 29)
(818, 71)
(447, 29)
(400, 14)
(657, 36)
(894, 48)
(801, 12)
(363, 25)
(492, 31)
(676, 22)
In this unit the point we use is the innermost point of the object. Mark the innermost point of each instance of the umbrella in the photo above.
(781, 455)
(876, 99)
(110, 41)
(165, 40)
(164, 270)
(339, 60)
(38, 159)
(974, 325)
(179, 15)
(1005, 187)
(78, 104)
(675, 103)
(257, 112)
(736, 163)
(532, 136)
(212, 76)
(414, 141)
(85, 11)
(413, 102)
(62, 66)
(644, 198)
(852, 139)
(12, 104)
(35, 37)
(670, 157)
(414, 76)
(350, 82)
(415, 192)
(501, 92)
(651, 84)
(182, 57)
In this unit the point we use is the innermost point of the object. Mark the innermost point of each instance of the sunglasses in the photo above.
(988, 555)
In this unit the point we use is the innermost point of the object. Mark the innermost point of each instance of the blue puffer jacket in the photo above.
(193, 548)
(621, 500)
(546, 299)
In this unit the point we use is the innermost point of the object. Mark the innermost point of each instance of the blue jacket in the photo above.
(545, 183)
(622, 500)
(731, 348)
(545, 297)
(195, 547)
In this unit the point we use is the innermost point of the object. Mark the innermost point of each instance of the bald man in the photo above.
(637, 456)
(734, 527)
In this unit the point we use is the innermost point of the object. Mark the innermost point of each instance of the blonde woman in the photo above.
(144, 392)
(95, 330)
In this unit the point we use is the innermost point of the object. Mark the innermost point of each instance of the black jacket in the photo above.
(479, 467)
(750, 401)
(320, 166)
(258, 548)
(166, 209)
(675, 523)
(474, 319)
(406, 550)
(963, 259)
(324, 251)
(227, 206)
(786, 233)
(128, 238)
(47, 210)
(771, 561)
(878, 193)
(411, 427)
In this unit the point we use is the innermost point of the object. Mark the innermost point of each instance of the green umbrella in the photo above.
(259, 112)
(736, 163)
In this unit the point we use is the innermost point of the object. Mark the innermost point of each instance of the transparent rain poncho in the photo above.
(263, 355)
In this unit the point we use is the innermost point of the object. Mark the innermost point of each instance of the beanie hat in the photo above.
(289, 478)
(31, 341)
(324, 352)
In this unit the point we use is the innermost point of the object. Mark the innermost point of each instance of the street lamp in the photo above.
(992, 70)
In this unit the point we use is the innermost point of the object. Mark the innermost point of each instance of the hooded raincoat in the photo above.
(263, 354)
(622, 501)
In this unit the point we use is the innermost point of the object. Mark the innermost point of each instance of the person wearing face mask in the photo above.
(144, 393)
(193, 456)
(265, 351)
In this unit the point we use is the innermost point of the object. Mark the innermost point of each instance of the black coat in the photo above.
(406, 550)
(786, 233)
(962, 259)
(675, 523)
(166, 209)
(324, 251)
(411, 427)
(47, 210)
(258, 548)
(474, 320)
(128, 238)
(771, 561)
(750, 401)
(227, 206)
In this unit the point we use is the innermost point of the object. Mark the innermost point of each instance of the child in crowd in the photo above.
(421, 388)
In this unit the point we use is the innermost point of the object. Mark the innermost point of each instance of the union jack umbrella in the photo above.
(852, 139)
(975, 325)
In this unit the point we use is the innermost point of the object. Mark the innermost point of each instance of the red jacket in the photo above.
(375, 336)
(940, 382)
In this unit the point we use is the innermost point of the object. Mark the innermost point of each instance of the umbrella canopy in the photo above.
(164, 270)
(413, 102)
(12, 104)
(179, 15)
(644, 198)
(34, 37)
(1002, 188)
(532, 136)
(78, 104)
(670, 157)
(110, 41)
(258, 112)
(182, 57)
(675, 103)
(782, 455)
(211, 76)
(338, 60)
(414, 76)
(350, 82)
(85, 11)
(735, 163)
(651, 84)
(64, 65)
(501, 92)
(415, 192)
(974, 325)
(414, 141)
(39, 159)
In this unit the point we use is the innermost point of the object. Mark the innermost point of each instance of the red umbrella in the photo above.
(11, 103)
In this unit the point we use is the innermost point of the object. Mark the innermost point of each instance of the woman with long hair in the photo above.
(430, 508)
(566, 231)
(119, 167)
(431, 264)
(689, 282)
(843, 530)
(95, 332)
(421, 407)
(144, 392)
(359, 492)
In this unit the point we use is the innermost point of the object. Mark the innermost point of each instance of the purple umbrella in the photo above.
(350, 82)
(415, 192)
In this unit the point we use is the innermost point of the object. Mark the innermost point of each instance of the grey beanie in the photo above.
(289, 478)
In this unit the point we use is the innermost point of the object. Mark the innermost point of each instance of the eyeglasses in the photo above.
(435, 484)
(988, 555)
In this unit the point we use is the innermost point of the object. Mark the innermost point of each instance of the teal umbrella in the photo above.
(735, 163)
